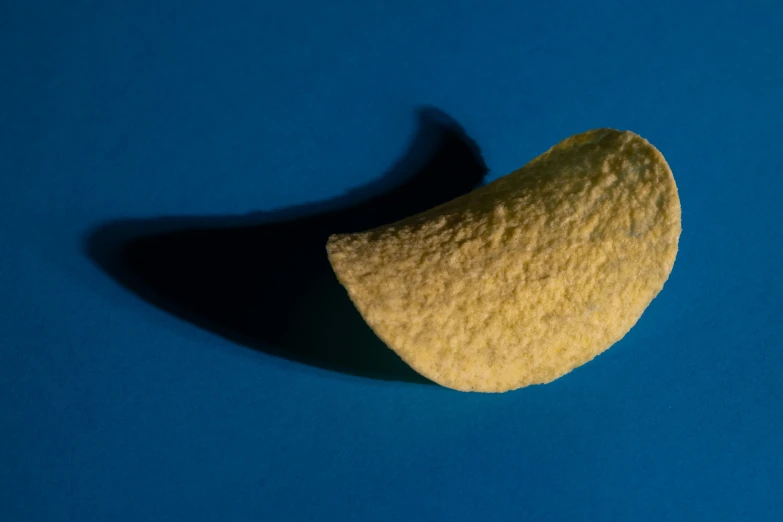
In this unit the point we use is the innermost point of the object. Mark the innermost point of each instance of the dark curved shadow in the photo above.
(263, 280)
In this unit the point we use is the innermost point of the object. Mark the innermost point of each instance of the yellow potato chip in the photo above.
(528, 277)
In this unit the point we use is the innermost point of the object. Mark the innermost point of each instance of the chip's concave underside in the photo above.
(522, 280)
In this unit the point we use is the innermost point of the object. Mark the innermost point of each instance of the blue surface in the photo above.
(115, 409)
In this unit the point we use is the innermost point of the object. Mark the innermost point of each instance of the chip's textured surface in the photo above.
(528, 277)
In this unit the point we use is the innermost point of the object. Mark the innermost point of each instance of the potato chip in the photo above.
(522, 280)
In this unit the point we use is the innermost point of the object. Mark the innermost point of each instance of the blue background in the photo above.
(114, 409)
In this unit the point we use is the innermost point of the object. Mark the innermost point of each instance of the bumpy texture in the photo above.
(528, 277)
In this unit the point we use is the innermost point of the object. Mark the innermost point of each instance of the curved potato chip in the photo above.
(528, 277)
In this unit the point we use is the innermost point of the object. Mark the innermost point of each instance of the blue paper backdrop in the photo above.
(114, 409)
